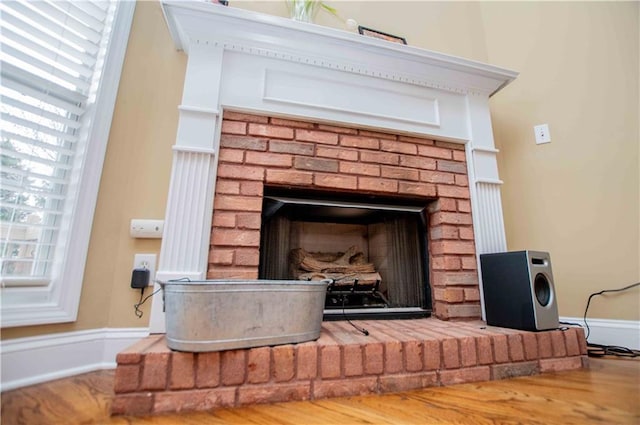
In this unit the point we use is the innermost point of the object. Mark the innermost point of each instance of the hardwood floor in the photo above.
(606, 393)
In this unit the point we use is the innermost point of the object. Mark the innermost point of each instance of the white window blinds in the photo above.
(60, 65)
(49, 61)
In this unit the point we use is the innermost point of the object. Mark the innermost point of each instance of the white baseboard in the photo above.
(32, 360)
(623, 333)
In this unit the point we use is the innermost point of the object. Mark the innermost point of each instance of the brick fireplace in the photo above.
(269, 102)
(272, 105)
(257, 151)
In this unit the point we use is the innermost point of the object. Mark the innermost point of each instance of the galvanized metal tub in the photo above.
(214, 315)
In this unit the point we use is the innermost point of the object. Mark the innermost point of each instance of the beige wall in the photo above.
(576, 197)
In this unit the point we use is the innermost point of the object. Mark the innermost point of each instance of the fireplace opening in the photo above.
(373, 249)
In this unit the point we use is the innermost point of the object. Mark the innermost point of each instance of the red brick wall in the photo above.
(257, 151)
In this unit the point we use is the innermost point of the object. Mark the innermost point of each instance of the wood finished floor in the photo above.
(606, 393)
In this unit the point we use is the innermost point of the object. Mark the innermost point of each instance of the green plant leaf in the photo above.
(329, 9)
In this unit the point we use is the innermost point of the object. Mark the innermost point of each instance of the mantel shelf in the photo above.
(202, 23)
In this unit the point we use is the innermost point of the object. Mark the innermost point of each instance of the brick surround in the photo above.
(258, 151)
(398, 355)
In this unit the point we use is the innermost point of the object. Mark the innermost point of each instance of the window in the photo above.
(60, 64)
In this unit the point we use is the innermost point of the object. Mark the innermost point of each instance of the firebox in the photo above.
(373, 249)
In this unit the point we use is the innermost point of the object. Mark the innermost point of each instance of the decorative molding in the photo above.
(490, 236)
(188, 108)
(196, 128)
(191, 149)
(485, 149)
(410, 105)
(485, 165)
(622, 333)
(353, 68)
(185, 240)
(490, 181)
(32, 360)
(337, 97)
(245, 32)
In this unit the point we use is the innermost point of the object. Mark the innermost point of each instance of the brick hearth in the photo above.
(398, 355)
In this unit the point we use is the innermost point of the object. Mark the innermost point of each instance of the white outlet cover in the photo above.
(542, 133)
(146, 261)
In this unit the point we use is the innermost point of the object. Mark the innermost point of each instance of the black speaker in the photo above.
(518, 290)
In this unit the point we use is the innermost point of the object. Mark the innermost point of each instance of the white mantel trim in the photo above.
(258, 63)
(192, 23)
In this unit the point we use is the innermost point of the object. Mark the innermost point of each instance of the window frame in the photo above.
(59, 301)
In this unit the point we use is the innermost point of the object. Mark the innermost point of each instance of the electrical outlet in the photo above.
(148, 261)
(542, 133)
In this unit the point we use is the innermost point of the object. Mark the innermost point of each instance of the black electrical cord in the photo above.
(599, 350)
(142, 301)
(138, 304)
(363, 331)
(570, 323)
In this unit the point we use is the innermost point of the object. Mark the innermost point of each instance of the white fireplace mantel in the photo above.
(253, 62)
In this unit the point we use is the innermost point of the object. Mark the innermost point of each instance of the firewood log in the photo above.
(342, 279)
(351, 261)
(344, 268)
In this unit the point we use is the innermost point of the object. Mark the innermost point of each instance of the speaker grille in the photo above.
(542, 289)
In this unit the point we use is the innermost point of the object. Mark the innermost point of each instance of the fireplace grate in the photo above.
(355, 295)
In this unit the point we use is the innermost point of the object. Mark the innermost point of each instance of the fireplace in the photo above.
(292, 111)
(297, 139)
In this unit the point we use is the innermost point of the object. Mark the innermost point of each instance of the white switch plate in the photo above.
(148, 229)
(542, 133)
(141, 261)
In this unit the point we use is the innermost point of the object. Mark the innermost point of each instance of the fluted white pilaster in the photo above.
(187, 223)
(483, 179)
(186, 229)
(490, 236)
